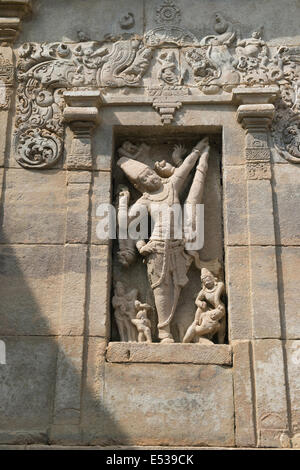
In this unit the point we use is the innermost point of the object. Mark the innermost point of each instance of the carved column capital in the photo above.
(82, 115)
(255, 116)
(255, 113)
(11, 15)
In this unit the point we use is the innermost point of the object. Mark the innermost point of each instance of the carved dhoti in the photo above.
(167, 266)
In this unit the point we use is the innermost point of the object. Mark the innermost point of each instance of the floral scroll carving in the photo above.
(45, 71)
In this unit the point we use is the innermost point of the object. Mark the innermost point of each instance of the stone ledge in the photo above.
(176, 353)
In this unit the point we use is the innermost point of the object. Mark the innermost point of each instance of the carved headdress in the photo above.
(132, 168)
(205, 273)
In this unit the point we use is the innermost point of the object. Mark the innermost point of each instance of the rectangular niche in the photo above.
(156, 145)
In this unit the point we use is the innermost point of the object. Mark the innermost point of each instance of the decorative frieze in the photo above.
(212, 65)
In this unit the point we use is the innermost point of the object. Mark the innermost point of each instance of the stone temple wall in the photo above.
(78, 81)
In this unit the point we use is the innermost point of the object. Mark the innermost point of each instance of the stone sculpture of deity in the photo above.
(166, 253)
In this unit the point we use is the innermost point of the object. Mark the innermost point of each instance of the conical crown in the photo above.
(132, 168)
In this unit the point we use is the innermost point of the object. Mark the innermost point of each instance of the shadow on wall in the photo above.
(51, 387)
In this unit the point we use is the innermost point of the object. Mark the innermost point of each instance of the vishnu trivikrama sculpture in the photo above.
(167, 254)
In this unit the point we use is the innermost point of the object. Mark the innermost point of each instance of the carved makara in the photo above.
(125, 65)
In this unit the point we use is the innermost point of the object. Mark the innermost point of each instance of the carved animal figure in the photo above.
(125, 65)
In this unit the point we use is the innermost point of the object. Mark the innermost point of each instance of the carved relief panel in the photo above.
(181, 288)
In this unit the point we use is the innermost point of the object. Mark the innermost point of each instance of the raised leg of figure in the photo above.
(128, 329)
(189, 335)
(131, 331)
(147, 334)
(121, 329)
(222, 331)
(141, 337)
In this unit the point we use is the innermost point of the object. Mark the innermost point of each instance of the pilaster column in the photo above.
(255, 113)
(82, 114)
(11, 14)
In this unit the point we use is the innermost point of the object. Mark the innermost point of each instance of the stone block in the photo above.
(290, 262)
(65, 434)
(3, 124)
(233, 140)
(26, 389)
(103, 147)
(244, 399)
(78, 207)
(101, 194)
(93, 385)
(238, 280)
(1, 187)
(286, 203)
(68, 381)
(34, 206)
(74, 290)
(31, 287)
(260, 213)
(185, 405)
(169, 353)
(270, 386)
(235, 206)
(264, 292)
(292, 349)
(99, 295)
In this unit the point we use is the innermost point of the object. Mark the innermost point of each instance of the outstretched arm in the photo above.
(181, 173)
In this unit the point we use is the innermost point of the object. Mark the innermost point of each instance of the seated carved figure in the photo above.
(210, 311)
(142, 322)
(251, 47)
